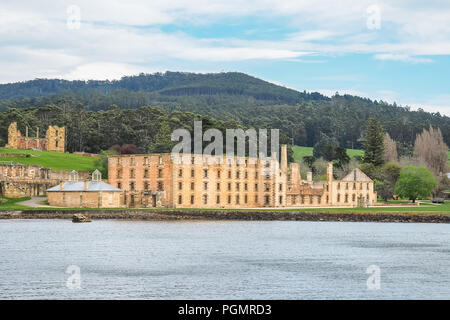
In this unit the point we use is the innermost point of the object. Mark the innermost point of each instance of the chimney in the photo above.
(309, 176)
(330, 172)
(61, 185)
(86, 185)
(295, 177)
(283, 159)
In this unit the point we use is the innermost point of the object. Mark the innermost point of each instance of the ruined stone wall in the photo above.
(155, 180)
(64, 175)
(12, 136)
(18, 180)
(19, 189)
(196, 181)
(351, 193)
(54, 140)
(87, 154)
(23, 171)
(31, 143)
(334, 193)
(143, 178)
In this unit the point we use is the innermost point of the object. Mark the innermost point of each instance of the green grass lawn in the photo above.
(11, 204)
(52, 160)
(300, 152)
(424, 208)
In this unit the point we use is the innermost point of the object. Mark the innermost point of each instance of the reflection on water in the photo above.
(223, 260)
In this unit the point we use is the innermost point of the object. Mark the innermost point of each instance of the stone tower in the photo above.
(13, 140)
(56, 138)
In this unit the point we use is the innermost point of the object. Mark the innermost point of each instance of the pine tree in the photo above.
(374, 142)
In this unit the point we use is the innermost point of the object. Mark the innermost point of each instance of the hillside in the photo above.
(52, 160)
(163, 84)
(300, 152)
(96, 112)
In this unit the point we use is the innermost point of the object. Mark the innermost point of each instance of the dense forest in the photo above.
(142, 109)
(148, 128)
(164, 84)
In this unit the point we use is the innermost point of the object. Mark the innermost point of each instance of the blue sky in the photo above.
(389, 50)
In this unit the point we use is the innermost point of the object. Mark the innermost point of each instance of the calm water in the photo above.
(223, 260)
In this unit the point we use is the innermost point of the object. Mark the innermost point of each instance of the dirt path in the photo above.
(34, 202)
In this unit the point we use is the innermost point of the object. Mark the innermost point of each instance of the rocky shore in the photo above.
(264, 215)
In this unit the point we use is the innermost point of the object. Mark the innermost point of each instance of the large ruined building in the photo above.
(54, 139)
(198, 181)
(19, 180)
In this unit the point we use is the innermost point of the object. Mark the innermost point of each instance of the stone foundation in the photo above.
(178, 215)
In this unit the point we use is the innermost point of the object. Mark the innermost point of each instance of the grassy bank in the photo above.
(52, 160)
(11, 204)
(230, 215)
(300, 152)
(426, 207)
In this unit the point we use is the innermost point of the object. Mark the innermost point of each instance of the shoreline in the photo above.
(221, 215)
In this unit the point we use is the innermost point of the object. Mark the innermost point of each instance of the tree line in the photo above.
(142, 130)
(249, 101)
(415, 176)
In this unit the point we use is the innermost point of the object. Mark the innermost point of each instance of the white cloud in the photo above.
(101, 71)
(129, 35)
(232, 54)
(401, 57)
(332, 92)
(439, 103)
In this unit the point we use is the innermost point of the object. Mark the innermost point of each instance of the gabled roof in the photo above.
(356, 175)
(79, 186)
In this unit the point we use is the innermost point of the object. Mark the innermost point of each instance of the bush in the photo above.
(415, 183)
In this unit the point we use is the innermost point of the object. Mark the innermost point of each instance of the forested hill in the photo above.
(231, 97)
(167, 84)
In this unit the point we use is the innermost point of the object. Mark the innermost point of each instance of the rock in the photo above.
(80, 218)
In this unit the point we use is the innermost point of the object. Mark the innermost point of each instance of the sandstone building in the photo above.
(84, 194)
(20, 180)
(197, 181)
(355, 189)
(54, 139)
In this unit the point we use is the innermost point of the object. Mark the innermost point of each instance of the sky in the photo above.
(395, 51)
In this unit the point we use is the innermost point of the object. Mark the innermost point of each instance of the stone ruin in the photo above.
(54, 140)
